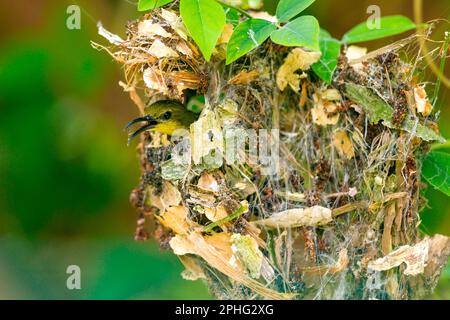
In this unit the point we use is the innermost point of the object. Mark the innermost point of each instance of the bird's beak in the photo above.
(150, 123)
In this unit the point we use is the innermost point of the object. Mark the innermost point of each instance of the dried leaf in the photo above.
(181, 246)
(438, 254)
(297, 59)
(182, 80)
(175, 22)
(208, 182)
(221, 242)
(170, 196)
(183, 48)
(157, 80)
(154, 80)
(150, 29)
(423, 105)
(216, 213)
(324, 112)
(160, 50)
(313, 216)
(415, 258)
(175, 218)
(245, 187)
(343, 144)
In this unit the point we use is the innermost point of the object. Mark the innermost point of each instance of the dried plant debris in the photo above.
(378, 110)
(296, 60)
(311, 217)
(339, 217)
(424, 259)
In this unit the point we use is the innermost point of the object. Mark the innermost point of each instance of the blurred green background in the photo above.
(65, 169)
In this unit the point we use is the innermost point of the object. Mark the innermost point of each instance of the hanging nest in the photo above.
(339, 219)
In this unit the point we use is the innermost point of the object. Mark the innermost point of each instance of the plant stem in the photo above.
(271, 247)
(229, 6)
(240, 211)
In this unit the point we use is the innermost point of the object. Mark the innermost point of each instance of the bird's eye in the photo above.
(167, 115)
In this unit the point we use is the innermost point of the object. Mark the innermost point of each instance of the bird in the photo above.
(163, 116)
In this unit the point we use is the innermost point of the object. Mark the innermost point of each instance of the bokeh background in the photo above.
(66, 171)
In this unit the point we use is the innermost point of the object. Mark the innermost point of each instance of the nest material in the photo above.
(340, 220)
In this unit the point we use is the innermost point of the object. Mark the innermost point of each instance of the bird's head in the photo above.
(163, 116)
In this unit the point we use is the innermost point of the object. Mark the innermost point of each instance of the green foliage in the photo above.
(288, 9)
(390, 26)
(378, 110)
(247, 36)
(301, 32)
(331, 49)
(436, 170)
(204, 20)
(232, 16)
(144, 5)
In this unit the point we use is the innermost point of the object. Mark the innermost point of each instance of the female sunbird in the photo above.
(164, 116)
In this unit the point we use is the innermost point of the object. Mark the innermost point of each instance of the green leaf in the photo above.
(145, 5)
(390, 26)
(378, 110)
(204, 20)
(301, 32)
(324, 34)
(288, 9)
(331, 49)
(247, 36)
(436, 170)
(232, 16)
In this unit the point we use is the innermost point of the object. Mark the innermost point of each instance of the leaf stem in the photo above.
(439, 146)
(229, 6)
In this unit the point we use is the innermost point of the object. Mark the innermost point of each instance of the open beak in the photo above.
(149, 121)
